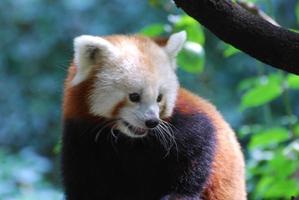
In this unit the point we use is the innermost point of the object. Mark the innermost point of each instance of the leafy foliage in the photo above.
(192, 57)
(153, 30)
(266, 89)
(230, 51)
(22, 176)
(293, 81)
(269, 138)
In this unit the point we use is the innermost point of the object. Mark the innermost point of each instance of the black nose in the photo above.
(151, 123)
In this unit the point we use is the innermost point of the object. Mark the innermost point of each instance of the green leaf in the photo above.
(268, 138)
(153, 30)
(280, 161)
(294, 30)
(262, 186)
(297, 11)
(296, 129)
(191, 58)
(247, 83)
(270, 187)
(293, 81)
(230, 51)
(192, 27)
(282, 188)
(265, 91)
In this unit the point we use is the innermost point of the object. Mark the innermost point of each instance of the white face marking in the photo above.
(148, 72)
(87, 49)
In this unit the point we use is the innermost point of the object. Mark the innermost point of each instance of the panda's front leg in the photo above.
(189, 180)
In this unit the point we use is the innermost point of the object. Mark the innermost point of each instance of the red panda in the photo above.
(131, 133)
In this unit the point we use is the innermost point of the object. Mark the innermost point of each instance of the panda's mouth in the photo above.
(136, 130)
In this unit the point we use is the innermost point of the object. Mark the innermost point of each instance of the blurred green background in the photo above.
(261, 104)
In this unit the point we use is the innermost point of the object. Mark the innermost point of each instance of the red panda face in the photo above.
(134, 79)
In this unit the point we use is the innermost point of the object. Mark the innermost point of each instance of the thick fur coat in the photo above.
(108, 151)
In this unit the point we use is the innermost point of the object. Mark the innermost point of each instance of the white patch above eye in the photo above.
(88, 51)
(175, 43)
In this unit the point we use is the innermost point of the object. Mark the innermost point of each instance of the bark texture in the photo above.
(250, 33)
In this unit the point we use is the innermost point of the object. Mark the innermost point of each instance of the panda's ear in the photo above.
(175, 43)
(89, 51)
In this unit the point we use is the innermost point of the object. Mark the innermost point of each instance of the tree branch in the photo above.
(252, 34)
(249, 6)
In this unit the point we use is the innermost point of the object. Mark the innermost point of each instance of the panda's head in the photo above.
(134, 80)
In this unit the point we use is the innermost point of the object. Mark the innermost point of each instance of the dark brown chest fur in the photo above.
(115, 167)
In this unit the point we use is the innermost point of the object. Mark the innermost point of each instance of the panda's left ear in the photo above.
(89, 51)
(175, 43)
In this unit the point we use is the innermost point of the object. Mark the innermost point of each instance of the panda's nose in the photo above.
(151, 123)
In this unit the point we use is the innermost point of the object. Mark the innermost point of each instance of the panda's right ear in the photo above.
(89, 51)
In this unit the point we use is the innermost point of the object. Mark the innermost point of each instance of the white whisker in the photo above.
(105, 125)
(170, 132)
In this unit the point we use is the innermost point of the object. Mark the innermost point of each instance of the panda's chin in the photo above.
(131, 131)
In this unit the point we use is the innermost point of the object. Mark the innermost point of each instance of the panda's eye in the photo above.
(159, 98)
(134, 97)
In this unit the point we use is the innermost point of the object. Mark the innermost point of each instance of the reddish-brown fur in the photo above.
(227, 180)
(76, 97)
